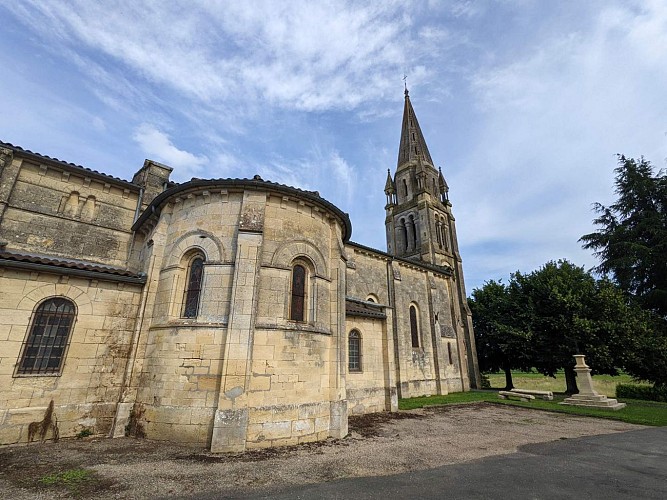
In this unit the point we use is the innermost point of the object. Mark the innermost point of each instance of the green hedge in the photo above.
(645, 392)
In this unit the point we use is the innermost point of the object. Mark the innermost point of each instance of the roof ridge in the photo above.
(63, 162)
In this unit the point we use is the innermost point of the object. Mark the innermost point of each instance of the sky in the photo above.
(524, 104)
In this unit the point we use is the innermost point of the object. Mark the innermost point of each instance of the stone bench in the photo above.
(546, 395)
(515, 395)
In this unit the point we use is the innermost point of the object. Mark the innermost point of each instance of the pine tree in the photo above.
(632, 241)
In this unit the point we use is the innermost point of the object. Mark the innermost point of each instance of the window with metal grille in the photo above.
(194, 287)
(354, 351)
(414, 331)
(297, 312)
(44, 350)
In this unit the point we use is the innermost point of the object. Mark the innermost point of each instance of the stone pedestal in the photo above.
(587, 395)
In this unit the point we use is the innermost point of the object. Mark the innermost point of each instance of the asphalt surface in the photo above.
(613, 466)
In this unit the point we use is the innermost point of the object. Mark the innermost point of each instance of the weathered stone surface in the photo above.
(230, 366)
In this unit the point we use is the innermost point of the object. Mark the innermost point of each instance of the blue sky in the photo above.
(523, 104)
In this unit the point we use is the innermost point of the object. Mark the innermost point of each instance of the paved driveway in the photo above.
(630, 465)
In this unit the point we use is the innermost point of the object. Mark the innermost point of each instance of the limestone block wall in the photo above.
(418, 373)
(367, 275)
(54, 211)
(289, 389)
(203, 223)
(86, 391)
(180, 359)
(180, 382)
(449, 334)
(372, 389)
(241, 373)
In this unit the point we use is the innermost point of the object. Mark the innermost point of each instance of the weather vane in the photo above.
(405, 83)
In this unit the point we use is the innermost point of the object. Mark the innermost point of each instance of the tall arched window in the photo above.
(44, 350)
(354, 351)
(403, 236)
(413, 232)
(297, 311)
(414, 326)
(193, 287)
(445, 236)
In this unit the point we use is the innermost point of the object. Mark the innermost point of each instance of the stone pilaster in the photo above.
(231, 417)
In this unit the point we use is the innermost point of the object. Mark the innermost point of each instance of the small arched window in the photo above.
(194, 287)
(44, 350)
(297, 311)
(354, 351)
(414, 326)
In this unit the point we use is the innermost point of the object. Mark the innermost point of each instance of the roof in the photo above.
(416, 263)
(413, 144)
(68, 266)
(363, 308)
(66, 165)
(256, 183)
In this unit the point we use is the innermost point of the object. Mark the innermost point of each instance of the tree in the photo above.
(646, 352)
(632, 241)
(541, 319)
(500, 337)
(573, 313)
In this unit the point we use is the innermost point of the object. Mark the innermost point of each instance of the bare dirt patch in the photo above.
(378, 444)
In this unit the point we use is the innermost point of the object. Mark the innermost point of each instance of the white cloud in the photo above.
(157, 144)
(306, 55)
(326, 172)
(554, 120)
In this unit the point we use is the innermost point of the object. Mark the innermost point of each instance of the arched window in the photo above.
(413, 232)
(405, 188)
(354, 351)
(449, 352)
(44, 350)
(193, 287)
(297, 311)
(403, 236)
(445, 236)
(414, 326)
(438, 235)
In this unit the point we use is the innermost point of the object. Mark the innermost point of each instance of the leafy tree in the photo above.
(646, 352)
(501, 338)
(543, 318)
(632, 241)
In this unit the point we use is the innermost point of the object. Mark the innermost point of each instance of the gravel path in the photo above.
(378, 444)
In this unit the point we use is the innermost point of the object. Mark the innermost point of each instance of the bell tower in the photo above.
(420, 225)
(419, 221)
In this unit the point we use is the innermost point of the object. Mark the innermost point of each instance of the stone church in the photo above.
(229, 313)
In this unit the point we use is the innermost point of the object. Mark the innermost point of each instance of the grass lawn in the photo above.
(604, 384)
(637, 411)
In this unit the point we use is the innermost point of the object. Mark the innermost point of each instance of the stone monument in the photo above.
(587, 395)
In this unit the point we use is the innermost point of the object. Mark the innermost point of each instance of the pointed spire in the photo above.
(442, 184)
(389, 185)
(412, 144)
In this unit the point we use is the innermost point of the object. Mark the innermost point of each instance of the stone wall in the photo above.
(55, 211)
(241, 373)
(86, 391)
